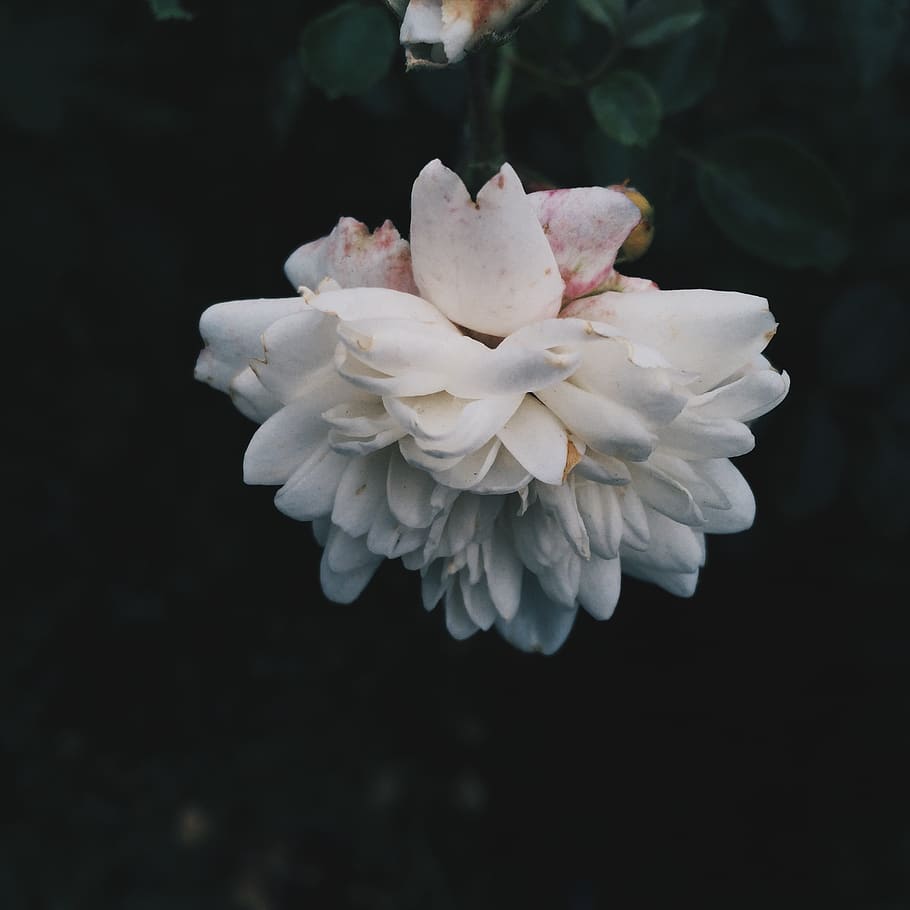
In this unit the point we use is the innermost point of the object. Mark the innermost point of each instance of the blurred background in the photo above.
(187, 723)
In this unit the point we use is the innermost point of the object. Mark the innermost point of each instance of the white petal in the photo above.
(445, 426)
(560, 502)
(694, 436)
(540, 625)
(293, 350)
(606, 426)
(373, 381)
(602, 468)
(741, 512)
(344, 553)
(665, 494)
(232, 334)
(288, 436)
(585, 227)
(471, 519)
(310, 491)
(435, 581)
(746, 398)
(409, 491)
(354, 257)
(537, 440)
(361, 491)
(505, 475)
(636, 532)
(673, 548)
(477, 602)
(602, 516)
(251, 398)
(470, 471)
(458, 622)
(345, 586)
(354, 304)
(504, 572)
(703, 491)
(598, 590)
(711, 333)
(486, 265)
(388, 537)
(560, 581)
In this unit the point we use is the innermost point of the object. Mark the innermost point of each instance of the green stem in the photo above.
(485, 141)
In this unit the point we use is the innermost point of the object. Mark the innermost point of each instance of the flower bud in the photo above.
(637, 243)
(439, 32)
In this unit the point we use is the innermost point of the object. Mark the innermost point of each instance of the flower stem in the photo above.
(485, 150)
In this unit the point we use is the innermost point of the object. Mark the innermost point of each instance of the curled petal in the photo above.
(585, 227)
(745, 398)
(355, 258)
(740, 513)
(251, 397)
(485, 264)
(709, 333)
(232, 335)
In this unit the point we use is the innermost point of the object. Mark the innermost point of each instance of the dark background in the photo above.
(187, 723)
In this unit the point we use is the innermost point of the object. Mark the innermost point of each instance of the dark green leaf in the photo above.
(776, 200)
(626, 107)
(653, 21)
(348, 49)
(169, 9)
(870, 34)
(683, 72)
(607, 12)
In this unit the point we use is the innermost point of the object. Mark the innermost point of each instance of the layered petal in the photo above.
(485, 264)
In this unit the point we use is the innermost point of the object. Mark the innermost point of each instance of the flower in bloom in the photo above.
(439, 32)
(497, 406)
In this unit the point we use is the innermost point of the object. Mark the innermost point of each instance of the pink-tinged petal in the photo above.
(537, 440)
(485, 264)
(598, 588)
(355, 258)
(540, 625)
(708, 333)
(585, 227)
(232, 335)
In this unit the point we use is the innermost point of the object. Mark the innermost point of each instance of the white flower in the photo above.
(497, 406)
(439, 32)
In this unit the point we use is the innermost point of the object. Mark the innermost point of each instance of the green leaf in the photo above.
(169, 9)
(348, 49)
(684, 72)
(606, 12)
(870, 34)
(654, 21)
(626, 107)
(776, 200)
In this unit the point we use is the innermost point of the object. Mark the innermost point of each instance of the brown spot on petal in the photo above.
(769, 335)
(573, 456)
(500, 181)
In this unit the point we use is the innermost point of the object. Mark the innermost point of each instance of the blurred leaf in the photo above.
(348, 49)
(870, 33)
(864, 336)
(607, 12)
(653, 21)
(776, 200)
(684, 71)
(789, 16)
(626, 107)
(169, 9)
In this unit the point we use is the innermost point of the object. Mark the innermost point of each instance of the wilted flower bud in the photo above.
(637, 243)
(440, 32)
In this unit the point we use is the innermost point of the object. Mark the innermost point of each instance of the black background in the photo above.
(187, 723)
